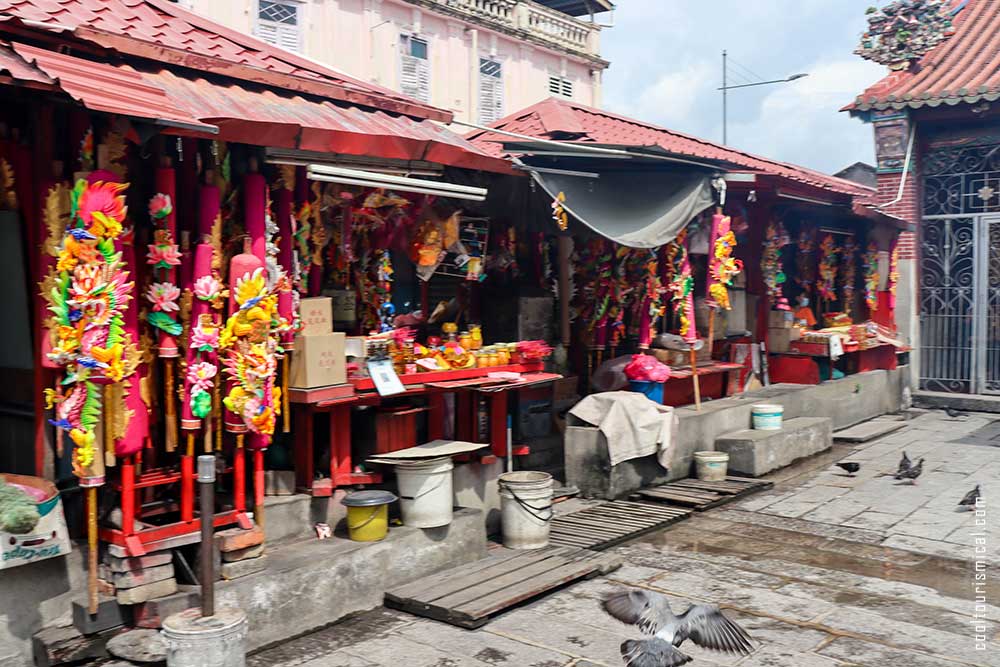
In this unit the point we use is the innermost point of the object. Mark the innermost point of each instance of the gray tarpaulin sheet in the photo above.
(639, 209)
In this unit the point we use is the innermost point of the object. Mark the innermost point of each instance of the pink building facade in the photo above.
(480, 59)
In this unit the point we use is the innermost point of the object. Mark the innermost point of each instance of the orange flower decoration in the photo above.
(102, 208)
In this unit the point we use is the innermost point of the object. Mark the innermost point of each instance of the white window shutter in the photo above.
(490, 99)
(415, 78)
(278, 23)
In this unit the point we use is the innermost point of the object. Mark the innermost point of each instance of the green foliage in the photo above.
(164, 322)
(18, 512)
(90, 414)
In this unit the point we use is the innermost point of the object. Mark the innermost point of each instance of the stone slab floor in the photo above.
(823, 570)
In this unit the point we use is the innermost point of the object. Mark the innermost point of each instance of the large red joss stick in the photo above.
(138, 426)
(167, 344)
(286, 297)
(240, 266)
(255, 209)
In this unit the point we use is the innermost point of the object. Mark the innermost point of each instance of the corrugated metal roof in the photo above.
(18, 69)
(576, 123)
(106, 88)
(165, 24)
(272, 118)
(963, 68)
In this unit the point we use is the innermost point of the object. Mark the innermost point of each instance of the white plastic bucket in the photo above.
(767, 416)
(711, 466)
(525, 509)
(425, 492)
(215, 641)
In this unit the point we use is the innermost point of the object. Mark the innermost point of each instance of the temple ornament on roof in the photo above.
(904, 30)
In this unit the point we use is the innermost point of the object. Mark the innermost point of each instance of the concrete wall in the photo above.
(312, 584)
(361, 38)
(848, 401)
(35, 596)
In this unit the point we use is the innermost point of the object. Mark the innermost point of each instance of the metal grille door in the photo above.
(990, 288)
(947, 299)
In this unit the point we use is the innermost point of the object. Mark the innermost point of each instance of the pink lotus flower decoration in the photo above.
(164, 297)
(207, 288)
(163, 256)
(204, 339)
(160, 206)
(201, 376)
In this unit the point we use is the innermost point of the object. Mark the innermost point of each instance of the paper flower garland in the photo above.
(848, 273)
(722, 266)
(828, 265)
(682, 287)
(775, 238)
(871, 277)
(559, 213)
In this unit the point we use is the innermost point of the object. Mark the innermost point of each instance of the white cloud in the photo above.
(666, 68)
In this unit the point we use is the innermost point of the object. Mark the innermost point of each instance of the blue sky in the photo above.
(666, 65)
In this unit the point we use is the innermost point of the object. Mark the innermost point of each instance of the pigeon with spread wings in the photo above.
(705, 625)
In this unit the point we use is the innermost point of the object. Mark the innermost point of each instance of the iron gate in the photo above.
(960, 271)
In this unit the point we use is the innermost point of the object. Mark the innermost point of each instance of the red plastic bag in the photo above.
(645, 368)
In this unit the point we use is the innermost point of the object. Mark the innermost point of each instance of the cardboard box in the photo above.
(317, 316)
(680, 358)
(779, 319)
(780, 340)
(49, 539)
(318, 361)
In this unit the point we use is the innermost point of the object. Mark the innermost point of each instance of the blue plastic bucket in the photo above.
(767, 417)
(652, 390)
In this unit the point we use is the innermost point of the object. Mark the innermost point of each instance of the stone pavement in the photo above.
(823, 570)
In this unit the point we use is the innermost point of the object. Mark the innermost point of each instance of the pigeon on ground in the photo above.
(904, 464)
(955, 414)
(970, 499)
(703, 624)
(849, 466)
(911, 473)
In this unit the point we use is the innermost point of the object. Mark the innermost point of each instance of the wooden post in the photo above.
(694, 379)
(92, 594)
(285, 407)
(169, 404)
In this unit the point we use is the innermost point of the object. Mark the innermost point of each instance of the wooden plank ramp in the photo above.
(470, 595)
(701, 495)
(611, 523)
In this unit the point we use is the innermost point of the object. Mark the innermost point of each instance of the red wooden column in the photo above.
(304, 462)
(435, 416)
(340, 445)
(498, 423)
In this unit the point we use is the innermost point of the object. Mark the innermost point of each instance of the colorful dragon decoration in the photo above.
(88, 293)
(848, 272)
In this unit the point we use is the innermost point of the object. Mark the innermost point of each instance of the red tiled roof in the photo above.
(164, 24)
(576, 123)
(963, 68)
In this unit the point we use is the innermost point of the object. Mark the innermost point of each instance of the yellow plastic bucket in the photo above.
(368, 515)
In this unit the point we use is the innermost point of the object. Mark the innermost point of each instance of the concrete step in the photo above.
(869, 430)
(939, 400)
(757, 452)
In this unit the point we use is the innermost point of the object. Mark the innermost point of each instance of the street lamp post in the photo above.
(725, 88)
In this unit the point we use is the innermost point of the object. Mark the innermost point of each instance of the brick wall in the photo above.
(908, 207)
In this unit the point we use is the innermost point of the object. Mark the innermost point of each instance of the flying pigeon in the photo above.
(911, 473)
(703, 624)
(970, 499)
(955, 414)
(849, 466)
